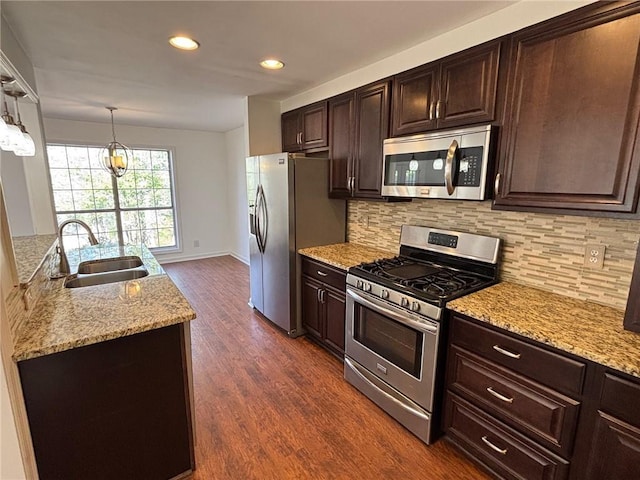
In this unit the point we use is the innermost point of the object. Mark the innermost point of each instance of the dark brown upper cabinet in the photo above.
(358, 124)
(305, 128)
(457, 90)
(570, 137)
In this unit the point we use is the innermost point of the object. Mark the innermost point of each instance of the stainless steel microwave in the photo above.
(451, 164)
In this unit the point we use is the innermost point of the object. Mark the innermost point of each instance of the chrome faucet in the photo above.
(64, 262)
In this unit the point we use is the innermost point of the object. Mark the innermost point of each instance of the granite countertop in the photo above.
(66, 318)
(30, 252)
(586, 329)
(345, 255)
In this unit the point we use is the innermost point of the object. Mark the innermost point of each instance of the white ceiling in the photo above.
(91, 54)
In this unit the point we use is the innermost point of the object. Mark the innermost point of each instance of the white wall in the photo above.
(238, 204)
(502, 22)
(16, 195)
(200, 171)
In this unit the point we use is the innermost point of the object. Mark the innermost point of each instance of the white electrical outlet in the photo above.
(196, 243)
(594, 256)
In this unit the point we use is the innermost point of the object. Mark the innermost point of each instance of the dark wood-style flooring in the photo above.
(271, 407)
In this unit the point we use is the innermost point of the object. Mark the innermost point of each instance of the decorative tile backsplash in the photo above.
(540, 250)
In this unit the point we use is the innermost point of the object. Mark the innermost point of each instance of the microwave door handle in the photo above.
(381, 308)
(448, 167)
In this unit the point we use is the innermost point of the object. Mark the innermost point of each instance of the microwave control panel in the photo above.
(469, 172)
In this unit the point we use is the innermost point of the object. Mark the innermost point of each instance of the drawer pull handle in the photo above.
(503, 351)
(501, 451)
(499, 395)
(322, 274)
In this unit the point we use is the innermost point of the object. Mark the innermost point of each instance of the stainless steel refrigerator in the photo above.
(289, 209)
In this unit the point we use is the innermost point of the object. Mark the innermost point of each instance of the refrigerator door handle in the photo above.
(257, 219)
(263, 206)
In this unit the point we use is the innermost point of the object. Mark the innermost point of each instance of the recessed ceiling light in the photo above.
(272, 64)
(183, 43)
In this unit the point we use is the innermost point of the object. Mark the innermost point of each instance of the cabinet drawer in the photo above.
(620, 398)
(324, 273)
(561, 373)
(497, 446)
(545, 415)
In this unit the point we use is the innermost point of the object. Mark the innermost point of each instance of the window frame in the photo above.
(117, 210)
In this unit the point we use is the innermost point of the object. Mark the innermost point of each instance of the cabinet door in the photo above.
(616, 450)
(372, 127)
(314, 126)
(291, 131)
(311, 311)
(573, 104)
(341, 128)
(335, 308)
(414, 100)
(468, 87)
(632, 312)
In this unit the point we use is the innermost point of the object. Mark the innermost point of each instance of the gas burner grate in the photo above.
(424, 278)
(445, 283)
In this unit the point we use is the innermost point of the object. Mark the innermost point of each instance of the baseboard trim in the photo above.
(186, 258)
(238, 257)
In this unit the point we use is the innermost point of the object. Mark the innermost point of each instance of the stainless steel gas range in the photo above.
(395, 309)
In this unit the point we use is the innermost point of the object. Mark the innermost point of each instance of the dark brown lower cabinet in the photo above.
(115, 409)
(614, 437)
(583, 427)
(499, 448)
(323, 304)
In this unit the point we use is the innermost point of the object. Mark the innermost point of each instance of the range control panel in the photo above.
(443, 240)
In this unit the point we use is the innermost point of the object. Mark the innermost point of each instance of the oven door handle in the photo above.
(401, 317)
(375, 384)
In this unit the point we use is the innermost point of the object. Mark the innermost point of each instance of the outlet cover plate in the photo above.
(594, 256)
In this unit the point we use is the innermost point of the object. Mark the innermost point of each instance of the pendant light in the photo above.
(115, 156)
(27, 147)
(13, 138)
(4, 130)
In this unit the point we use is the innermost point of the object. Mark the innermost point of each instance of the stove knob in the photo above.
(404, 302)
(367, 287)
(359, 284)
(384, 293)
(415, 306)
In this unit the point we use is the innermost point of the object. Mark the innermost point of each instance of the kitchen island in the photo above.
(106, 375)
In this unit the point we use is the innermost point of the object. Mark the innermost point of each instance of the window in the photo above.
(136, 208)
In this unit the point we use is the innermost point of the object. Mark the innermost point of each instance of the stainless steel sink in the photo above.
(109, 264)
(82, 280)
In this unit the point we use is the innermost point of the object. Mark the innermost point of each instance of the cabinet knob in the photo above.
(431, 109)
(496, 186)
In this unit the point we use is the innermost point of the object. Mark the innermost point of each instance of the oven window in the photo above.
(397, 343)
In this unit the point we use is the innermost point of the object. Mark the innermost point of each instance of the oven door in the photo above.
(397, 346)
